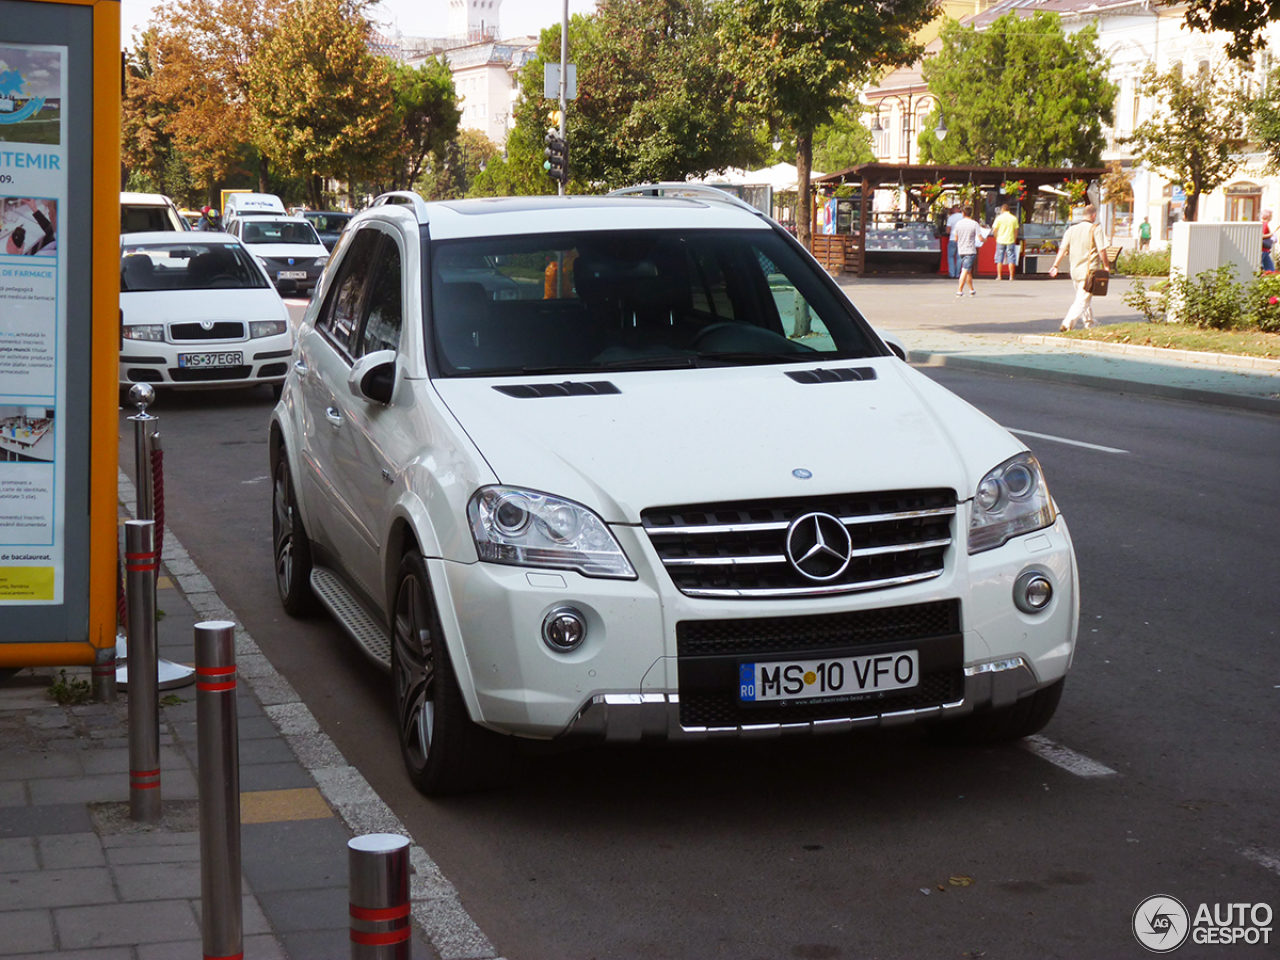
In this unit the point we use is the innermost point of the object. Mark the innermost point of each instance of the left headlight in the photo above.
(266, 328)
(321, 262)
(1011, 500)
(532, 529)
(145, 331)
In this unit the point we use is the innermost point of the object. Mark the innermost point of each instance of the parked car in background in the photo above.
(245, 204)
(329, 224)
(287, 247)
(191, 216)
(145, 212)
(634, 467)
(199, 311)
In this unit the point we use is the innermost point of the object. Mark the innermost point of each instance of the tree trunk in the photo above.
(1193, 204)
(262, 173)
(804, 166)
(313, 184)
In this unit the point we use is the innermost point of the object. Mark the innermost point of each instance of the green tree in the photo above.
(1245, 20)
(1264, 120)
(844, 142)
(1194, 138)
(427, 105)
(454, 167)
(800, 59)
(1020, 92)
(322, 104)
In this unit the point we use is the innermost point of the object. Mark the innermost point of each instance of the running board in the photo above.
(361, 627)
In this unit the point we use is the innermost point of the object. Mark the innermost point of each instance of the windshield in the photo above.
(278, 231)
(329, 222)
(633, 300)
(187, 266)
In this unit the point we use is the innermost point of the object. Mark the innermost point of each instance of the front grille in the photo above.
(720, 708)
(200, 374)
(817, 632)
(221, 330)
(740, 550)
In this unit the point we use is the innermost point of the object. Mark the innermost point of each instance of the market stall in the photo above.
(911, 237)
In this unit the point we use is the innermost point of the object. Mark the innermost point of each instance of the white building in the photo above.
(1131, 34)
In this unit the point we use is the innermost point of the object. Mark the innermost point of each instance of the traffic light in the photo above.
(557, 154)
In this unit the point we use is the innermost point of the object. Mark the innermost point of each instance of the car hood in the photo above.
(728, 434)
(276, 251)
(170, 306)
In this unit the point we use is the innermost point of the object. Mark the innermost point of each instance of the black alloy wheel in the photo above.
(292, 549)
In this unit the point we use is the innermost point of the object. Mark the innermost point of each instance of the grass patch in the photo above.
(70, 691)
(1183, 336)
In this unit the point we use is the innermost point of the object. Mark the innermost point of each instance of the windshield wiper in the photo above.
(744, 356)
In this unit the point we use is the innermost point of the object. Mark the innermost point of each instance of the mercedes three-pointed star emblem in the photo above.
(819, 546)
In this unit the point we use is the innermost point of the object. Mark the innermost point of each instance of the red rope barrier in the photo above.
(157, 493)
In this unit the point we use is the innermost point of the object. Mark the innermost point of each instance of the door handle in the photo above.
(300, 368)
(333, 416)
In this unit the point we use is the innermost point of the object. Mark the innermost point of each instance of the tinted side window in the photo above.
(341, 313)
(382, 324)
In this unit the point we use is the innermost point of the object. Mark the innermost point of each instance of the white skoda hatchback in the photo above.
(633, 466)
(198, 311)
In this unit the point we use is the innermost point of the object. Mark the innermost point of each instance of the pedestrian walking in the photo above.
(1006, 231)
(1268, 240)
(953, 252)
(967, 235)
(1084, 245)
(1144, 234)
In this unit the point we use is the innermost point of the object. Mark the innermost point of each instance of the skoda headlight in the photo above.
(145, 331)
(266, 328)
(532, 529)
(1011, 500)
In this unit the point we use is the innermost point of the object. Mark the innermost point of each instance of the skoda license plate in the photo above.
(843, 678)
(291, 275)
(210, 359)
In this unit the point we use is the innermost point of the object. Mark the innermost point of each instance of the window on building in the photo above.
(1244, 202)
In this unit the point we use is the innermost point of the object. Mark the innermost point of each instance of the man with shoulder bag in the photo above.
(1084, 246)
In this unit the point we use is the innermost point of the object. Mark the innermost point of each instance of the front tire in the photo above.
(443, 750)
(292, 549)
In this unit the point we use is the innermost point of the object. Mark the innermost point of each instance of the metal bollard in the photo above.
(378, 865)
(218, 736)
(141, 564)
(105, 687)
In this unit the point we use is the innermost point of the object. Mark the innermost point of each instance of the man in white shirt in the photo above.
(967, 235)
(953, 263)
(1084, 245)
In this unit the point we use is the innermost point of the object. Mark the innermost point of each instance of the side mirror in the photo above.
(893, 343)
(373, 376)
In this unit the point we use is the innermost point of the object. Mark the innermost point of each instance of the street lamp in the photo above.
(908, 110)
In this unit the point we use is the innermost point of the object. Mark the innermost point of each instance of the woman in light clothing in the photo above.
(1083, 256)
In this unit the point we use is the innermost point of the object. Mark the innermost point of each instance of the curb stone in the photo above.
(1261, 364)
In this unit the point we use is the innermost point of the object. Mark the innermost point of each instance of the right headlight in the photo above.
(1011, 500)
(531, 529)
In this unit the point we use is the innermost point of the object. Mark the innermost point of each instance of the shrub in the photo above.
(1151, 308)
(1214, 300)
(1264, 303)
(1143, 263)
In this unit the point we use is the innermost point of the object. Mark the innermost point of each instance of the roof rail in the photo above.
(404, 198)
(701, 191)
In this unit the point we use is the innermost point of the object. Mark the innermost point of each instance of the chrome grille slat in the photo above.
(739, 550)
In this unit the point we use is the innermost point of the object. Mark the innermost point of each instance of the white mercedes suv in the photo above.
(633, 466)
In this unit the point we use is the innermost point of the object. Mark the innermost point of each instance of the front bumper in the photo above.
(265, 360)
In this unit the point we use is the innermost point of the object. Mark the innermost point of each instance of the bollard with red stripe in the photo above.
(378, 865)
(218, 742)
(141, 563)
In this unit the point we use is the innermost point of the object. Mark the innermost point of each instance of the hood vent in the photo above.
(528, 391)
(838, 375)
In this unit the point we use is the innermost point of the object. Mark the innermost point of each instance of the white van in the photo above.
(144, 212)
(253, 204)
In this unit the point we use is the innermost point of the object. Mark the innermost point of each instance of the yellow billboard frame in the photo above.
(104, 425)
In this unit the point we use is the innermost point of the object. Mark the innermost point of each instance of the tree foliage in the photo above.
(844, 142)
(428, 109)
(1193, 138)
(201, 57)
(1020, 92)
(454, 167)
(798, 60)
(1245, 20)
(1264, 120)
(322, 103)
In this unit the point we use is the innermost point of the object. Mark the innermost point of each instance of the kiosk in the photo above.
(59, 330)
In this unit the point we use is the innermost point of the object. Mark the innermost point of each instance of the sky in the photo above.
(416, 18)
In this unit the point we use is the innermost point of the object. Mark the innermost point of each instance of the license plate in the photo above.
(291, 275)
(841, 679)
(210, 359)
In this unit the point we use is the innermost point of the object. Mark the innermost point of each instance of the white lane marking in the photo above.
(1066, 758)
(1263, 858)
(1074, 443)
(255, 480)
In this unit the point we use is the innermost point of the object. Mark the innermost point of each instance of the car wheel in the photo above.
(1022, 719)
(443, 750)
(292, 548)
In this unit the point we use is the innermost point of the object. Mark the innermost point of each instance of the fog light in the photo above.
(564, 629)
(1032, 592)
